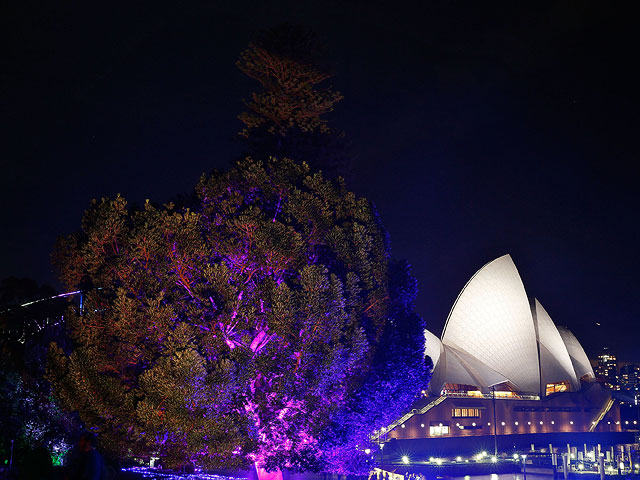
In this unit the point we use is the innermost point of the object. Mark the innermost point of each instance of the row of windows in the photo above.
(465, 412)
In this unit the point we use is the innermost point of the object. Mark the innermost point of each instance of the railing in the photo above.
(601, 415)
(416, 411)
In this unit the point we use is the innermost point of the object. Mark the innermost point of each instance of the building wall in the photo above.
(552, 414)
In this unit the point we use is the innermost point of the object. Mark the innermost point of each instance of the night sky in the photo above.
(480, 128)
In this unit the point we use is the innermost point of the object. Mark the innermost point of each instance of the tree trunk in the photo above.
(264, 475)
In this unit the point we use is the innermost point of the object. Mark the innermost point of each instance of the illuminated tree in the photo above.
(287, 117)
(237, 331)
(30, 416)
(395, 380)
(287, 62)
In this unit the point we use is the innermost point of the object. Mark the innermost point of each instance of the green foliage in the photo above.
(30, 417)
(228, 333)
(285, 61)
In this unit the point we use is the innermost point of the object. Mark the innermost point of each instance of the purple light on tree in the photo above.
(231, 336)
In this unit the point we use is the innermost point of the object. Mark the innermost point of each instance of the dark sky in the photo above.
(481, 128)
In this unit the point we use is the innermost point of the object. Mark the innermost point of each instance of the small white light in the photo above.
(422, 425)
(571, 422)
(473, 424)
(552, 422)
(516, 423)
(405, 459)
(438, 461)
(529, 423)
(489, 423)
(621, 466)
(431, 459)
(503, 424)
(515, 456)
(494, 459)
(580, 466)
(541, 422)
(458, 459)
(367, 451)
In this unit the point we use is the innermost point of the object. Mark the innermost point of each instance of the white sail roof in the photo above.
(491, 321)
(555, 362)
(579, 359)
(493, 335)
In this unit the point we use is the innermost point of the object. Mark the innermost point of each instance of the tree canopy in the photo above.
(287, 116)
(234, 332)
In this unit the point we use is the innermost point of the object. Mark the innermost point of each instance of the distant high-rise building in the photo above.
(629, 377)
(607, 369)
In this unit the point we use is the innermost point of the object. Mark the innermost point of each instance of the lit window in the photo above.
(557, 387)
(437, 430)
(465, 412)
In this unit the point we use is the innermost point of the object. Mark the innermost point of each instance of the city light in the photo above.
(458, 459)
(494, 459)
(367, 451)
(405, 460)
(438, 461)
(515, 456)
(580, 466)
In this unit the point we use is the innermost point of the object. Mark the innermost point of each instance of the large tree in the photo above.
(233, 332)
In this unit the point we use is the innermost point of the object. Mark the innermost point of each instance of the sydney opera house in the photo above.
(502, 368)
